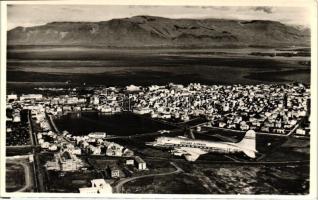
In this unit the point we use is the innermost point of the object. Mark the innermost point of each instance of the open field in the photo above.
(70, 181)
(14, 177)
(19, 174)
(171, 184)
(21, 150)
(226, 179)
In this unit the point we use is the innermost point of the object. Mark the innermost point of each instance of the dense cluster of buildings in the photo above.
(107, 100)
(65, 160)
(273, 108)
(65, 146)
(263, 108)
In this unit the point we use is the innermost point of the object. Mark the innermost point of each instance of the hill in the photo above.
(150, 31)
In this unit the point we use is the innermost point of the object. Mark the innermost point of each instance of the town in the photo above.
(279, 110)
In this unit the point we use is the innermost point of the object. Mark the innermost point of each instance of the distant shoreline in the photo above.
(121, 67)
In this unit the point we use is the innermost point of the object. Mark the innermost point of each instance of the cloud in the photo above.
(143, 6)
(71, 9)
(219, 8)
(264, 9)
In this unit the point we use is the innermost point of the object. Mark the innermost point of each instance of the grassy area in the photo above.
(101, 164)
(14, 151)
(259, 179)
(171, 184)
(153, 166)
(226, 179)
(156, 167)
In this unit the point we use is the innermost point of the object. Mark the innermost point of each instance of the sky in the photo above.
(32, 15)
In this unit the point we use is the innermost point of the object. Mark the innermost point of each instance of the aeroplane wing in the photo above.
(191, 154)
(221, 137)
(224, 138)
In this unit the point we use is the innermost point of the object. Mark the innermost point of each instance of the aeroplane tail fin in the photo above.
(248, 143)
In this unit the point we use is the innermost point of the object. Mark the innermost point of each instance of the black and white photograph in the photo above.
(176, 99)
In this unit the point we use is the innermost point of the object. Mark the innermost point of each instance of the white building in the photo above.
(31, 158)
(99, 186)
(114, 149)
(88, 190)
(140, 163)
(130, 162)
(132, 88)
(44, 145)
(300, 131)
(12, 97)
(16, 118)
(53, 147)
(97, 135)
(31, 96)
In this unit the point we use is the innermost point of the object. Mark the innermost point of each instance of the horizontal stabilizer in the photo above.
(250, 153)
(249, 141)
(248, 144)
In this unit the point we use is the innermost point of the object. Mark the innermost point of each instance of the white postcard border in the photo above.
(284, 3)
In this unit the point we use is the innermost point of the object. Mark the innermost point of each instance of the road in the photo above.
(55, 129)
(118, 187)
(28, 182)
(140, 135)
(162, 121)
(232, 161)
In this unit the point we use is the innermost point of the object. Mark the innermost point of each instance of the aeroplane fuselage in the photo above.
(192, 148)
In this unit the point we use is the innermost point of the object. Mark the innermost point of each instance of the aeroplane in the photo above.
(191, 149)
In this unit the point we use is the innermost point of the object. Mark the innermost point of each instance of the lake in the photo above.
(121, 124)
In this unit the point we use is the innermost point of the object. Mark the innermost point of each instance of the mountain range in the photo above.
(151, 31)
